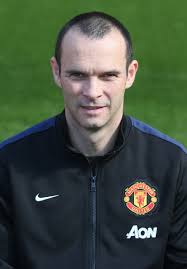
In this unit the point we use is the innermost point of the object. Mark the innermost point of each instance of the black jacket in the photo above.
(59, 209)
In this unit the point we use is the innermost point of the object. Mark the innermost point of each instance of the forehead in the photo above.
(80, 50)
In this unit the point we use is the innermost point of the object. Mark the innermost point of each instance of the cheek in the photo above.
(116, 92)
(70, 92)
(73, 87)
(69, 99)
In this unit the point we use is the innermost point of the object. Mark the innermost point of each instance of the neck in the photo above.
(93, 143)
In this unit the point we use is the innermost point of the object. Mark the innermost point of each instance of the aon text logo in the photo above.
(142, 233)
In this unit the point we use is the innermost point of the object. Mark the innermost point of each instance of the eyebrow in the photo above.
(71, 71)
(74, 71)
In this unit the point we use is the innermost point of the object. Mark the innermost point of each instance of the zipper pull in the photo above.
(93, 183)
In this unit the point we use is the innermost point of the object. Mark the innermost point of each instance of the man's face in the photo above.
(93, 78)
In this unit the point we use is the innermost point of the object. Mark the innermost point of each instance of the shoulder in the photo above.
(155, 136)
(35, 131)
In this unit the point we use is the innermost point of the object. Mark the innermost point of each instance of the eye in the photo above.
(109, 76)
(77, 75)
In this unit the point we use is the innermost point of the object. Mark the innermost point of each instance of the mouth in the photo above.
(92, 107)
(93, 110)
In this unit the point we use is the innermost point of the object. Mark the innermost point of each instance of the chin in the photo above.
(92, 126)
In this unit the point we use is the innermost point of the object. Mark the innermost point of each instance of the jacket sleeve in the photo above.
(7, 251)
(176, 256)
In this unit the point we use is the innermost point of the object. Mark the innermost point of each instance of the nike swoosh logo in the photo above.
(39, 199)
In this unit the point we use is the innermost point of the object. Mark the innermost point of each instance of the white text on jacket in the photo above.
(142, 233)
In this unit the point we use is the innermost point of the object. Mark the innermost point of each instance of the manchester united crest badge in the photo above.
(140, 198)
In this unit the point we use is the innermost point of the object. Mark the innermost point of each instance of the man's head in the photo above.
(93, 66)
(94, 25)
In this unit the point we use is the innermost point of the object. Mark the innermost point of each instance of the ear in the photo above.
(132, 69)
(55, 71)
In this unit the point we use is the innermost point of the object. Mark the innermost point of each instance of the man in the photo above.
(92, 188)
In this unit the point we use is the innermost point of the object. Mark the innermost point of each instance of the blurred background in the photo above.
(27, 37)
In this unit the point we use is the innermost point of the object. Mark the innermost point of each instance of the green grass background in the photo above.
(27, 37)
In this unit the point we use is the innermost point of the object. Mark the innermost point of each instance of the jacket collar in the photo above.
(63, 137)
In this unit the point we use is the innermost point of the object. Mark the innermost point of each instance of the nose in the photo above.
(92, 88)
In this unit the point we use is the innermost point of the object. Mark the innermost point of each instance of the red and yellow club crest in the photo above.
(140, 198)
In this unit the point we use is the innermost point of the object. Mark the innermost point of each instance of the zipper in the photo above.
(93, 190)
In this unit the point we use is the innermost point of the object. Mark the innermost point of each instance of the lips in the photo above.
(93, 110)
(92, 107)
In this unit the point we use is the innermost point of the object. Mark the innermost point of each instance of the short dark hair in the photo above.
(94, 25)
